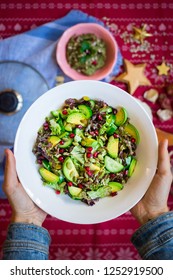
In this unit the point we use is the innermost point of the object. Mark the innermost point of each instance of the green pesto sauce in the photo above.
(86, 53)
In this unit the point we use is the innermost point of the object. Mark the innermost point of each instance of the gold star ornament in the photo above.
(163, 69)
(134, 76)
(140, 33)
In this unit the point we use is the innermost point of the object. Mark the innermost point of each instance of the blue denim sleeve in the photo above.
(26, 242)
(154, 240)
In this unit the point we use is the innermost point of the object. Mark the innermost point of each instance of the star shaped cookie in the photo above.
(133, 76)
(163, 69)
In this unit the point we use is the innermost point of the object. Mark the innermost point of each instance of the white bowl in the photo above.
(61, 206)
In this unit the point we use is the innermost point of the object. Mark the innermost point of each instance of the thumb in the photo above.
(10, 177)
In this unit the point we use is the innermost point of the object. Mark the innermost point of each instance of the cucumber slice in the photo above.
(112, 146)
(131, 130)
(54, 140)
(74, 192)
(112, 165)
(111, 130)
(77, 119)
(121, 116)
(86, 110)
(46, 164)
(48, 176)
(69, 170)
(115, 186)
(132, 167)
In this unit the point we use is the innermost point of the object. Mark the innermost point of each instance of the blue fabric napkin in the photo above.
(36, 50)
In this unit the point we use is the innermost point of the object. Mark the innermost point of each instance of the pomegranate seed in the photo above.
(87, 168)
(133, 140)
(61, 151)
(61, 142)
(89, 149)
(79, 126)
(92, 133)
(89, 155)
(113, 193)
(46, 127)
(57, 191)
(39, 161)
(112, 175)
(116, 135)
(96, 132)
(125, 172)
(72, 135)
(90, 173)
(61, 159)
(70, 184)
(80, 186)
(95, 154)
(45, 124)
(64, 112)
(94, 62)
(99, 117)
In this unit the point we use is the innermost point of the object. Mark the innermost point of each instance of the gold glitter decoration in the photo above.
(140, 33)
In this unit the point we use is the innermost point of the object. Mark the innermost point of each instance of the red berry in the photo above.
(57, 191)
(112, 175)
(116, 135)
(90, 173)
(70, 184)
(79, 126)
(72, 135)
(80, 186)
(133, 140)
(89, 149)
(94, 62)
(87, 168)
(61, 150)
(89, 155)
(64, 112)
(61, 159)
(113, 193)
(96, 132)
(61, 142)
(99, 117)
(95, 154)
(92, 133)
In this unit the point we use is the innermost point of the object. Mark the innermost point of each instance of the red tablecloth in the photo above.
(109, 240)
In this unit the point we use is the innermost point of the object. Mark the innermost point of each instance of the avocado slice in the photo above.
(115, 186)
(113, 165)
(54, 140)
(77, 119)
(69, 170)
(74, 192)
(89, 142)
(121, 116)
(132, 131)
(48, 176)
(86, 110)
(112, 146)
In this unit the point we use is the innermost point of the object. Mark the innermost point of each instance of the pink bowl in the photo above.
(100, 32)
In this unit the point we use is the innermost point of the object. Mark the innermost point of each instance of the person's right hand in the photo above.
(23, 208)
(154, 202)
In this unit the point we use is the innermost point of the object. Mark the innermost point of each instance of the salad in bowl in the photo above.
(87, 149)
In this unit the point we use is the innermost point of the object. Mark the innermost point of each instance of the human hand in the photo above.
(23, 208)
(154, 202)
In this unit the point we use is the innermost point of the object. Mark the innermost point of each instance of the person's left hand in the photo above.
(23, 208)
